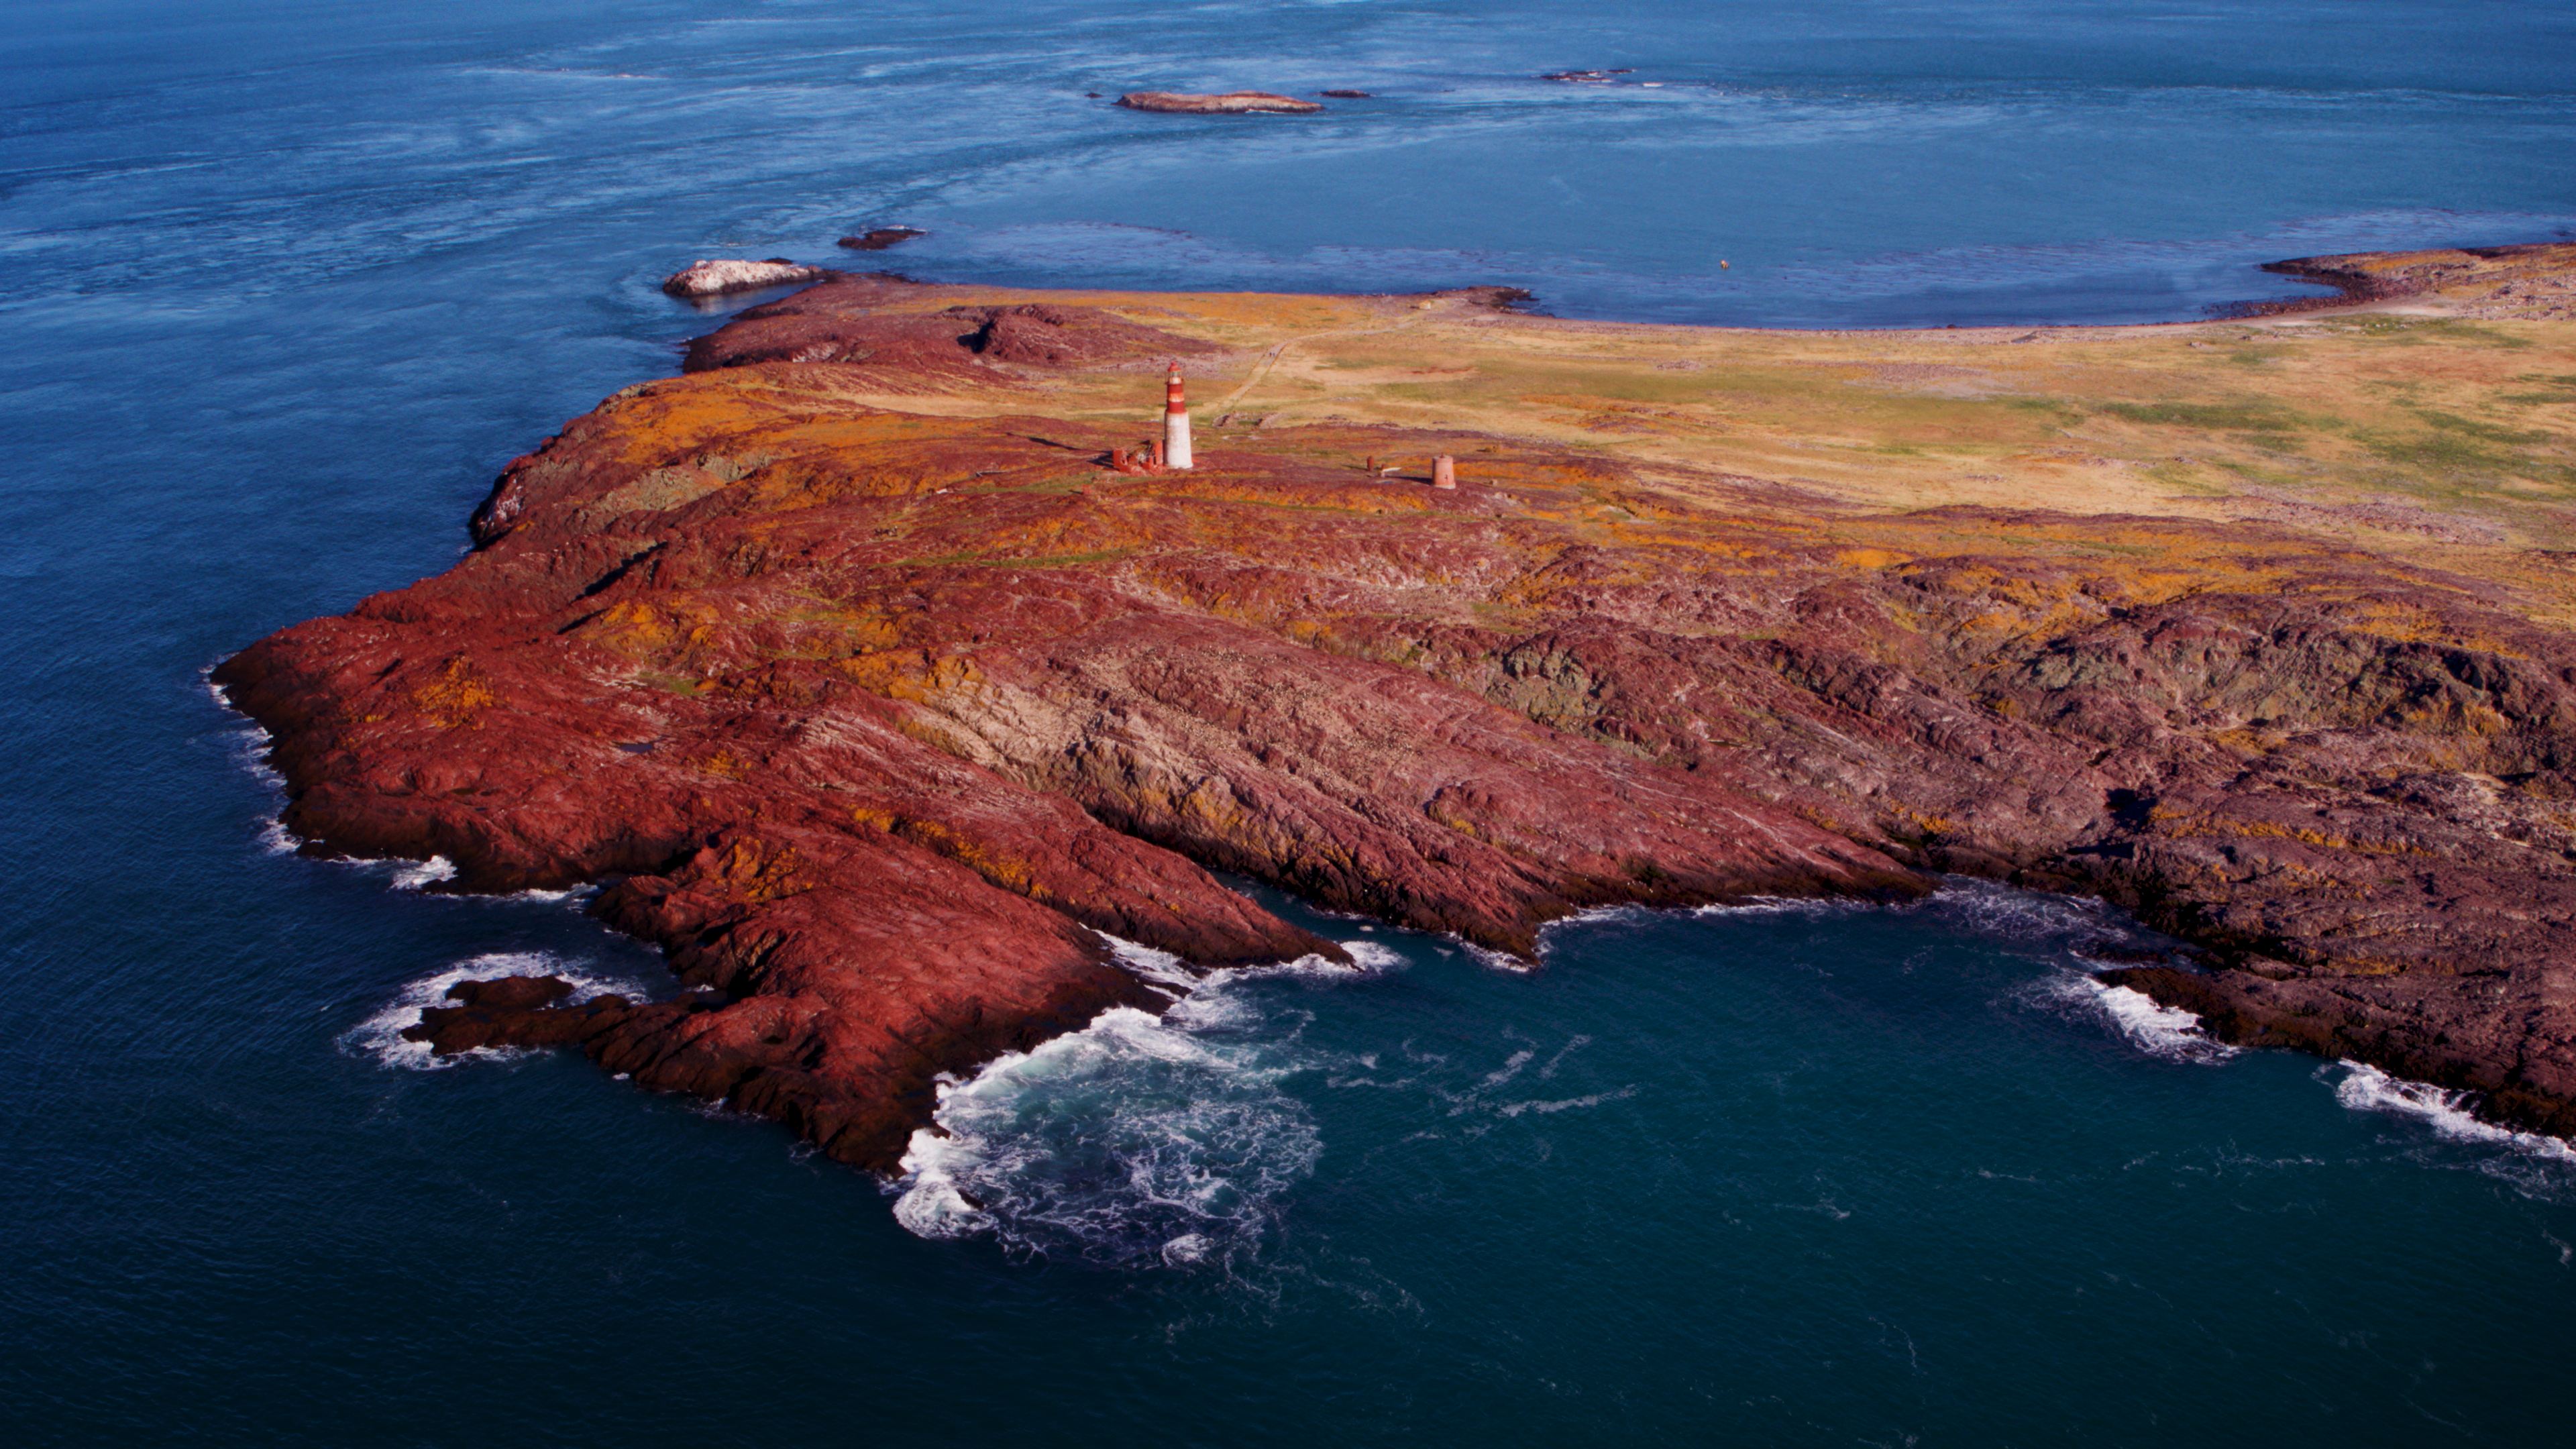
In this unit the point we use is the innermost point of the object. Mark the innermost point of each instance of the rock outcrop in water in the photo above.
(726, 275)
(876, 719)
(1231, 103)
(922, 352)
(2536, 280)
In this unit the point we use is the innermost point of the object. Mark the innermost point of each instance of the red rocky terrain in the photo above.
(875, 720)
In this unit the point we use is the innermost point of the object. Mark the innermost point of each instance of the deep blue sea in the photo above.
(288, 282)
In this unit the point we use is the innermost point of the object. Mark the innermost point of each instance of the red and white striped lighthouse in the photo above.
(1176, 423)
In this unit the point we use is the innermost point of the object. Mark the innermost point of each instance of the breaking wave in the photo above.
(2368, 1089)
(1121, 1144)
(2166, 1032)
(1145, 1142)
(1139, 1141)
(249, 747)
(411, 875)
(2156, 1029)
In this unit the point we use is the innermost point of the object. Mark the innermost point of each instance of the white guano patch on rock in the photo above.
(720, 275)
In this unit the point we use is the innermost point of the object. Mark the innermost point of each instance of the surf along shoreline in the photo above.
(860, 685)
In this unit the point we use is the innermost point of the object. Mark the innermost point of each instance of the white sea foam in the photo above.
(1782, 906)
(1564, 1104)
(1478, 1100)
(1572, 1044)
(2156, 1029)
(411, 875)
(250, 748)
(381, 1035)
(1980, 907)
(2160, 1030)
(1140, 1140)
(251, 744)
(1597, 915)
(1495, 960)
(2167, 1032)
(1134, 1142)
(2368, 1089)
(1166, 970)
(1161, 968)
(1371, 957)
(2013, 914)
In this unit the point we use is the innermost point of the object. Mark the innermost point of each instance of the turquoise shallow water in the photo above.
(289, 285)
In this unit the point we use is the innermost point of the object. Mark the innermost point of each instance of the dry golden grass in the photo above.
(2445, 440)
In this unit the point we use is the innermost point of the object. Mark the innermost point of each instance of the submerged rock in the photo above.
(879, 238)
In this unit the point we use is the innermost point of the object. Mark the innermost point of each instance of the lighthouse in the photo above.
(1176, 423)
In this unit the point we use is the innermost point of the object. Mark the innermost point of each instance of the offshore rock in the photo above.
(718, 277)
(1230, 103)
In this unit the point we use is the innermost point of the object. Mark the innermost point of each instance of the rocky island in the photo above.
(859, 683)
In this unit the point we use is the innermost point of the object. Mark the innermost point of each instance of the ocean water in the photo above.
(290, 282)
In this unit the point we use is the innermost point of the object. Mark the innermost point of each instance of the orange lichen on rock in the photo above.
(456, 696)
